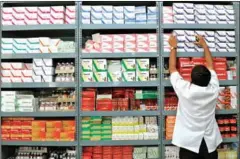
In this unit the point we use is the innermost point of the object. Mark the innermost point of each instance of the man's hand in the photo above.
(172, 41)
(200, 41)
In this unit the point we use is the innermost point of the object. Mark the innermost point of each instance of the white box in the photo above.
(200, 12)
(48, 62)
(118, 21)
(107, 18)
(118, 45)
(210, 33)
(142, 64)
(87, 76)
(17, 65)
(87, 65)
(142, 44)
(47, 78)
(210, 39)
(129, 9)
(86, 8)
(221, 39)
(48, 71)
(107, 9)
(130, 44)
(221, 33)
(38, 62)
(229, 39)
(140, 9)
(128, 64)
(106, 45)
(130, 37)
(178, 6)
(99, 65)
(118, 9)
(37, 78)
(115, 76)
(96, 9)
(142, 37)
(118, 37)
(100, 76)
(152, 9)
(38, 71)
(142, 76)
(129, 76)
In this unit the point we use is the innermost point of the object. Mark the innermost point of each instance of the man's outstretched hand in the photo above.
(200, 41)
(172, 41)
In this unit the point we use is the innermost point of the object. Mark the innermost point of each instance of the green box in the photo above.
(100, 65)
(128, 65)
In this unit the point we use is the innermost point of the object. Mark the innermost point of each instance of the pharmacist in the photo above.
(196, 131)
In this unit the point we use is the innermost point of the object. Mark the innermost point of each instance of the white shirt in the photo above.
(195, 118)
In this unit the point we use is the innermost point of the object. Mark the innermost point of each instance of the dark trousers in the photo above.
(203, 153)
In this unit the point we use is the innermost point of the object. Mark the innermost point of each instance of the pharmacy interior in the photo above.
(90, 80)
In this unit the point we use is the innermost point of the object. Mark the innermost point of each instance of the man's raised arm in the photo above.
(173, 54)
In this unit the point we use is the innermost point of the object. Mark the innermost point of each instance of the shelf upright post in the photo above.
(1, 5)
(77, 78)
(159, 65)
(79, 45)
(237, 38)
(161, 76)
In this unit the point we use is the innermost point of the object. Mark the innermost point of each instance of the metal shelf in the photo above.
(200, 54)
(121, 84)
(199, 26)
(118, 26)
(218, 112)
(39, 27)
(45, 56)
(120, 143)
(39, 143)
(225, 140)
(39, 85)
(119, 55)
(38, 114)
(120, 113)
(167, 83)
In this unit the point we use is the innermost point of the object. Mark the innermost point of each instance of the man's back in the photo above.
(196, 114)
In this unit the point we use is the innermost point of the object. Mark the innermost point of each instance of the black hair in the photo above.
(200, 76)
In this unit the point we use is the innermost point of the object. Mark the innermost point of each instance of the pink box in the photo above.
(152, 49)
(18, 15)
(44, 14)
(118, 44)
(6, 66)
(6, 73)
(107, 50)
(57, 15)
(152, 37)
(16, 73)
(70, 12)
(116, 50)
(17, 66)
(142, 44)
(152, 44)
(95, 50)
(141, 37)
(142, 49)
(27, 79)
(7, 16)
(130, 37)
(119, 37)
(130, 44)
(129, 50)
(16, 79)
(167, 9)
(31, 16)
(107, 45)
(27, 73)
(31, 10)
(6, 80)
(106, 38)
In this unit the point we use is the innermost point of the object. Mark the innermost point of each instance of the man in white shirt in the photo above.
(196, 131)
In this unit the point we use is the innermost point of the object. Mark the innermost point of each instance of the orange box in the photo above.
(53, 130)
(26, 124)
(67, 136)
(6, 135)
(70, 128)
(5, 131)
(26, 133)
(39, 134)
(27, 138)
(16, 138)
(54, 124)
(35, 129)
(6, 138)
(53, 136)
(68, 123)
(16, 125)
(38, 139)
(39, 124)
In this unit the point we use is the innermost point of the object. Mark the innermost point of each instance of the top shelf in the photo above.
(118, 26)
(39, 27)
(199, 26)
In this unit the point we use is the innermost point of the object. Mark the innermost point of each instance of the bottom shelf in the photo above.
(40, 143)
(119, 143)
(225, 140)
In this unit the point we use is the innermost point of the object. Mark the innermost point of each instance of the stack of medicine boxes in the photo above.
(43, 70)
(183, 13)
(87, 70)
(142, 70)
(12, 101)
(128, 70)
(114, 71)
(100, 70)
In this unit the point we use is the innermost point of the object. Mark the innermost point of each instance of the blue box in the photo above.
(129, 9)
(107, 9)
(151, 9)
(140, 9)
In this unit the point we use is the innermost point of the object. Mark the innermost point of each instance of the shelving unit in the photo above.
(160, 84)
